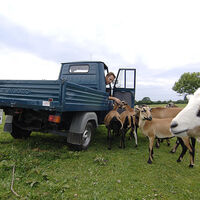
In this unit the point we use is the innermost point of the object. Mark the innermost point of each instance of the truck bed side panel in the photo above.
(80, 98)
(30, 94)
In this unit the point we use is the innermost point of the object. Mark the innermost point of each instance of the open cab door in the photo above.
(124, 86)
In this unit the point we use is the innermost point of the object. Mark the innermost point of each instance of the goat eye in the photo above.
(198, 113)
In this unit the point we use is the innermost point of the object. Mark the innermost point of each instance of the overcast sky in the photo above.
(160, 38)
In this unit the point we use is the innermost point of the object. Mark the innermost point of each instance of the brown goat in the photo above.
(113, 123)
(128, 120)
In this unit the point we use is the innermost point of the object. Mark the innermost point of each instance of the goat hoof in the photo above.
(136, 145)
(179, 160)
(172, 151)
(191, 166)
(149, 161)
(109, 148)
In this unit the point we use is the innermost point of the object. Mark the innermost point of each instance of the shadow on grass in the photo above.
(41, 142)
(100, 140)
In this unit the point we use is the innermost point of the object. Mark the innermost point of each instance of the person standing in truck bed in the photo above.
(110, 77)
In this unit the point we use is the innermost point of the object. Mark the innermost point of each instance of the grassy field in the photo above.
(46, 169)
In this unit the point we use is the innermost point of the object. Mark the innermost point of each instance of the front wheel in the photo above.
(86, 138)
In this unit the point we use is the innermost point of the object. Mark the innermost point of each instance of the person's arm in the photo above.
(114, 99)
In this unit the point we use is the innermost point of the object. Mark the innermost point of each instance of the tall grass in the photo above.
(46, 169)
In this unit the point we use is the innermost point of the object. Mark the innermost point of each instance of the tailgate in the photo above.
(35, 94)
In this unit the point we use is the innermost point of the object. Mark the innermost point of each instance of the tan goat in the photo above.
(153, 127)
(113, 123)
(161, 113)
(128, 120)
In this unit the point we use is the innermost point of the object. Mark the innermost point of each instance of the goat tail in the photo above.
(120, 122)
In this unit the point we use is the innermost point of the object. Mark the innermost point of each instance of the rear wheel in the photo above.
(19, 133)
(86, 138)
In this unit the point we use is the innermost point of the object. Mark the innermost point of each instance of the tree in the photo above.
(146, 100)
(187, 83)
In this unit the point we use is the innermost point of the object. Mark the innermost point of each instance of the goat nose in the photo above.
(174, 125)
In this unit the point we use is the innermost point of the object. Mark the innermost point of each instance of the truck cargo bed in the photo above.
(56, 95)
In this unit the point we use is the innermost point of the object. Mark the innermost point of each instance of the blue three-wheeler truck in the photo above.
(72, 106)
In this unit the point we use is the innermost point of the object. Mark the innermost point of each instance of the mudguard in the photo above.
(78, 125)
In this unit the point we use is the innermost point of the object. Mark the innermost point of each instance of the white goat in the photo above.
(187, 122)
(188, 118)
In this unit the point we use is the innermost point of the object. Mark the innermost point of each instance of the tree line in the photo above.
(147, 100)
(188, 83)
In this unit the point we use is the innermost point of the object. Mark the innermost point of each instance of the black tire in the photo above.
(19, 133)
(86, 138)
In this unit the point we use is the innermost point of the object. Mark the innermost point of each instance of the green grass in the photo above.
(163, 105)
(46, 169)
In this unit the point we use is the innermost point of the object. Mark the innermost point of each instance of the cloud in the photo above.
(21, 65)
(165, 34)
(51, 47)
(159, 38)
(45, 47)
(34, 50)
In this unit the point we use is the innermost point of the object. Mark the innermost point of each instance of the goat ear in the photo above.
(150, 109)
(137, 109)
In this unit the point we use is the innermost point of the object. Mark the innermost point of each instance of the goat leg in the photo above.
(157, 142)
(173, 150)
(168, 141)
(191, 149)
(184, 149)
(122, 141)
(109, 139)
(135, 136)
(131, 135)
(151, 140)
